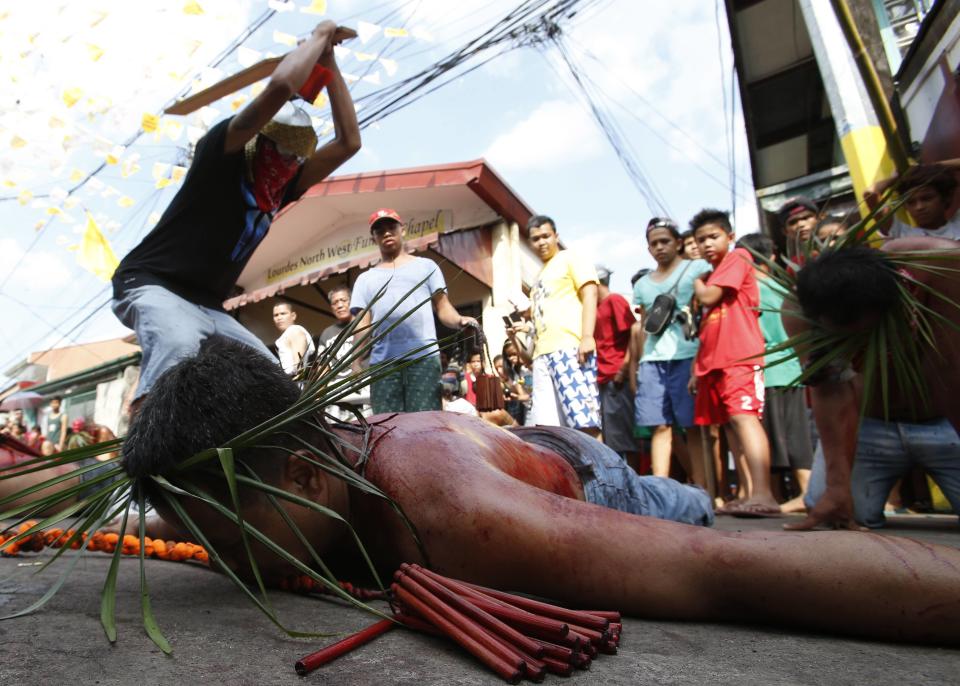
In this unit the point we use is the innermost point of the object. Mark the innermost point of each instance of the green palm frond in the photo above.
(112, 493)
(891, 353)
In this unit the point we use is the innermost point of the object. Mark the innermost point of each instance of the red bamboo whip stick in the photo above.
(449, 595)
(474, 630)
(554, 651)
(417, 624)
(307, 664)
(558, 667)
(610, 615)
(505, 670)
(523, 619)
(562, 613)
(589, 634)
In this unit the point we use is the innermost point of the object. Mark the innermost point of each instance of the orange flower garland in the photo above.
(106, 542)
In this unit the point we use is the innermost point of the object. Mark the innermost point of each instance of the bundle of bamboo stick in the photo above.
(516, 637)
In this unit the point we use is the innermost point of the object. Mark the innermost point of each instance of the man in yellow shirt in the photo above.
(564, 313)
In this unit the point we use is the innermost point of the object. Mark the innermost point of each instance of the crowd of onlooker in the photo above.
(58, 432)
(691, 380)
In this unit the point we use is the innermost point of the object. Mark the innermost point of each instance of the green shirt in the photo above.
(771, 302)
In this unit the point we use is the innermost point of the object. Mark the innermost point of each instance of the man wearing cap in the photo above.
(798, 217)
(612, 333)
(410, 285)
(170, 288)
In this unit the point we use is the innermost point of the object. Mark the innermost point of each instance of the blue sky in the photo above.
(658, 65)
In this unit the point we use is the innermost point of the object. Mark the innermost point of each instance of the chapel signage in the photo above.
(354, 242)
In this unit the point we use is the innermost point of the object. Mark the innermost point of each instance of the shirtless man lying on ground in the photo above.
(831, 291)
(494, 509)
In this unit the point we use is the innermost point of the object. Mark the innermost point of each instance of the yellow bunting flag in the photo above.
(284, 38)
(54, 211)
(113, 157)
(315, 7)
(125, 201)
(237, 102)
(17, 142)
(129, 167)
(9, 183)
(56, 123)
(192, 7)
(364, 56)
(162, 183)
(95, 52)
(177, 173)
(153, 218)
(257, 88)
(71, 96)
(76, 175)
(395, 33)
(95, 254)
(321, 100)
(24, 197)
(149, 122)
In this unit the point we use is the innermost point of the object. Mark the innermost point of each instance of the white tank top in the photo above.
(290, 360)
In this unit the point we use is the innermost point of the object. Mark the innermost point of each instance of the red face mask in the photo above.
(272, 172)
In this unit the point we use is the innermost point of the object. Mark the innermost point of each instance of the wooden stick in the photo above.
(562, 613)
(506, 670)
(307, 664)
(491, 623)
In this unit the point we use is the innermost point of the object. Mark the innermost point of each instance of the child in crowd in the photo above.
(784, 412)
(929, 192)
(473, 368)
(689, 250)
(727, 376)
(830, 229)
(511, 372)
(449, 389)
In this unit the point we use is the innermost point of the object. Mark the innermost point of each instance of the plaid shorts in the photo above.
(564, 391)
(414, 388)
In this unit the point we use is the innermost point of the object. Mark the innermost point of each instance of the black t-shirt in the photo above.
(207, 233)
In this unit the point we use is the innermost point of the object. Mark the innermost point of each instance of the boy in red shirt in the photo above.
(727, 374)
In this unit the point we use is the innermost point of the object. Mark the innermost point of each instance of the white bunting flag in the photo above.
(366, 30)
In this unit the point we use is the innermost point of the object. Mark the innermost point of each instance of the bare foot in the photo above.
(752, 509)
(793, 505)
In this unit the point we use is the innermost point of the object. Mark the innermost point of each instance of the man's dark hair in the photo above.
(281, 301)
(711, 216)
(936, 176)
(539, 220)
(758, 243)
(663, 223)
(336, 289)
(58, 398)
(844, 286)
(203, 402)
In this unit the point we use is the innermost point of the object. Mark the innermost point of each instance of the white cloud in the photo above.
(36, 270)
(557, 132)
(623, 250)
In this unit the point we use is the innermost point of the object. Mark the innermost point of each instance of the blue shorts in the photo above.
(662, 395)
(608, 480)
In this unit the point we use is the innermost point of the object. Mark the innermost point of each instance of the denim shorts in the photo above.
(608, 480)
(662, 395)
(885, 451)
(170, 329)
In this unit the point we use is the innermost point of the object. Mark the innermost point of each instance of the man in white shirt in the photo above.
(928, 191)
(295, 346)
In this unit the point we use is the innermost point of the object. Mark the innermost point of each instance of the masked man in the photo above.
(170, 288)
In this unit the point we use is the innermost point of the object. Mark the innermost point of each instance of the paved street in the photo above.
(219, 638)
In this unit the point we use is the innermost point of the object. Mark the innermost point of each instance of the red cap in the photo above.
(384, 213)
(78, 424)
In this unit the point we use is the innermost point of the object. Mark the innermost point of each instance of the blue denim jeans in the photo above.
(885, 451)
(610, 482)
(170, 328)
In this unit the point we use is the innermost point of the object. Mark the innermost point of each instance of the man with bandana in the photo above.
(170, 288)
